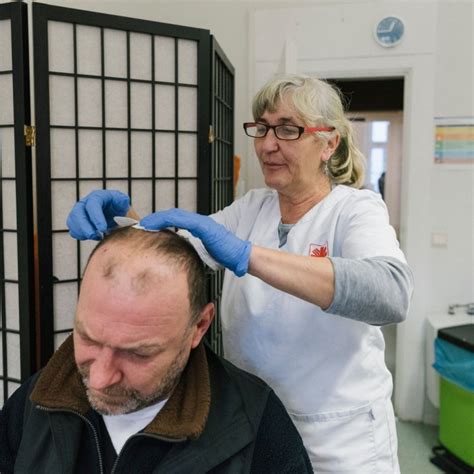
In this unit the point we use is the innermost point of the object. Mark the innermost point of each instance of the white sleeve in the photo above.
(373, 282)
(365, 231)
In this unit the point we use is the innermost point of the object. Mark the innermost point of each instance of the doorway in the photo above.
(379, 136)
(375, 108)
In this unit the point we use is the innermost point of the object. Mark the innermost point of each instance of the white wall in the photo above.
(452, 188)
(436, 59)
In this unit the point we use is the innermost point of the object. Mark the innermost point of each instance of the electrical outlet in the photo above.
(439, 239)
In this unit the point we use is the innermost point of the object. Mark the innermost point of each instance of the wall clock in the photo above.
(389, 31)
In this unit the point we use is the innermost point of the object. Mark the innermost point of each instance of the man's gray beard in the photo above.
(134, 400)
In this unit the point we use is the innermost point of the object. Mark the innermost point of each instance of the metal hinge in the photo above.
(30, 135)
(211, 137)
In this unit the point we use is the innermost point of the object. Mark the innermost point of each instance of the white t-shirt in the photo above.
(121, 427)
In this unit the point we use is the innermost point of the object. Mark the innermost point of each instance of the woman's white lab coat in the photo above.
(328, 370)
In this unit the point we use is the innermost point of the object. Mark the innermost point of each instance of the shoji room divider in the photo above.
(120, 103)
(17, 319)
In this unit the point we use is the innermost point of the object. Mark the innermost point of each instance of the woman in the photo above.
(317, 269)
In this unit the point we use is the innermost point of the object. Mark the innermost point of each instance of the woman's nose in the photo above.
(269, 142)
(104, 371)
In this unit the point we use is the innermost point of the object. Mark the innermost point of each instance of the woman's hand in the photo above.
(93, 215)
(227, 249)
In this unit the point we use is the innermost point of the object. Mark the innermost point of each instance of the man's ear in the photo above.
(204, 320)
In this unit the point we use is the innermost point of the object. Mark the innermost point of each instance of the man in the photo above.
(134, 390)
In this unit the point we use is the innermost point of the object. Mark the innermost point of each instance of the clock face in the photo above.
(389, 31)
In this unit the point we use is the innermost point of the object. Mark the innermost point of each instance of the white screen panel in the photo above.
(140, 56)
(65, 256)
(11, 306)
(141, 154)
(116, 104)
(187, 108)
(13, 355)
(140, 105)
(9, 204)
(115, 53)
(63, 197)
(89, 100)
(187, 156)
(6, 99)
(1, 364)
(85, 187)
(60, 47)
(119, 185)
(63, 153)
(60, 338)
(86, 247)
(61, 96)
(142, 197)
(116, 146)
(164, 107)
(12, 387)
(164, 59)
(5, 45)
(90, 153)
(65, 299)
(7, 145)
(187, 61)
(10, 255)
(88, 50)
(164, 190)
(187, 195)
(164, 154)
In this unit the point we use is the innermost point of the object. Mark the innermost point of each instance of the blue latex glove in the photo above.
(227, 249)
(93, 215)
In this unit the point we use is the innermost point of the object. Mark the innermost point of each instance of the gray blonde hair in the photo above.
(317, 103)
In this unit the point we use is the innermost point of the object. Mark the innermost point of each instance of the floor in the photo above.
(415, 441)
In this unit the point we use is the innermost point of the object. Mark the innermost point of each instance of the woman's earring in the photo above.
(326, 168)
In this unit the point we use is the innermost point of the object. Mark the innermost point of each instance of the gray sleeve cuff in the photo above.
(373, 290)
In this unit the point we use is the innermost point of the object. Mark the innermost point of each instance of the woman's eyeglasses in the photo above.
(283, 132)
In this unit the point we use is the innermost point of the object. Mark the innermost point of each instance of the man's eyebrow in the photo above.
(80, 329)
(147, 349)
(141, 347)
(78, 326)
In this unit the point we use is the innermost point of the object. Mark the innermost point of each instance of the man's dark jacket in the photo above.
(219, 419)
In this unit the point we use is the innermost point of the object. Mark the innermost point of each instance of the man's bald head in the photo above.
(128, 247)
(141, 311)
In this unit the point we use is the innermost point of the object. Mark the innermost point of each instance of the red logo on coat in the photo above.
(318, 250)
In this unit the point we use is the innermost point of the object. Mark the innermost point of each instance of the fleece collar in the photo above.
(59, 387)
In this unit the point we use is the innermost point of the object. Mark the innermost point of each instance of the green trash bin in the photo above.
(454, 361)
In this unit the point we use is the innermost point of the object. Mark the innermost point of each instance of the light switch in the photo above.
(439, 239)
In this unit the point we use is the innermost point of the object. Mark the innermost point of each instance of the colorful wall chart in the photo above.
(454, 140)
